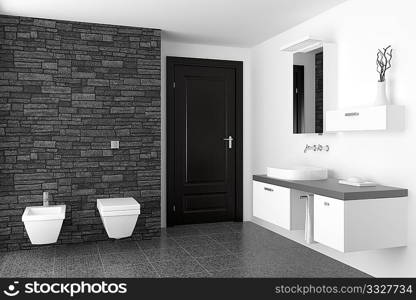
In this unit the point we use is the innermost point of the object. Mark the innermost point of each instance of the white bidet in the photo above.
(43, 223)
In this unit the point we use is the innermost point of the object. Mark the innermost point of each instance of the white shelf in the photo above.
(303, 45)
(384, 117)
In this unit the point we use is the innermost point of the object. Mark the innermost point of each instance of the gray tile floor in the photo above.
(204, 250)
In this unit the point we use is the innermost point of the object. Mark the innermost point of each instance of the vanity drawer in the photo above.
(329, 222)
(278, 205)
(271, 203)
(356, 225)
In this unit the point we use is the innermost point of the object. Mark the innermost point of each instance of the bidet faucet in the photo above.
(45, 199)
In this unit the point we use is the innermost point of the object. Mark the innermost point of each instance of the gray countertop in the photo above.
(331, 188)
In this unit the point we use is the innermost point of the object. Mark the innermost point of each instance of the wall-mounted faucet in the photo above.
(315, 148)
(45, 199)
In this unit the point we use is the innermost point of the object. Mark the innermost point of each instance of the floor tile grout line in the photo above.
(148, 260)
(235, 268)
(54, 262)
(195, 259)
(101, 260)
(232, 229)
(218, 243)
(211, 239)
(186, 236)
(183, 247)
(193, 273)
(2, 266)
(215, 241)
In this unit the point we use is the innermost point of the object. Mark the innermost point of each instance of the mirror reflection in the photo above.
(308, 91)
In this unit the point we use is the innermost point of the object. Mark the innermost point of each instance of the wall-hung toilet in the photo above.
(119, 216)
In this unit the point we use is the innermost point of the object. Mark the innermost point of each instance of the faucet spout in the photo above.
(316, 148)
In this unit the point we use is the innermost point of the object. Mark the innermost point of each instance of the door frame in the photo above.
(171, 62)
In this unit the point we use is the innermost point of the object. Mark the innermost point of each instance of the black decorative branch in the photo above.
(384, 62)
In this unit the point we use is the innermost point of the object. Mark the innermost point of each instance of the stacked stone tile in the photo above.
(319, 92)
(66, 90)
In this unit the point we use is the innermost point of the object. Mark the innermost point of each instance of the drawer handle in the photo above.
(326, 203)
(352, 114)
(268, 189)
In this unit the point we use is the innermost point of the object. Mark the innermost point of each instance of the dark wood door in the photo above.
(205, 143)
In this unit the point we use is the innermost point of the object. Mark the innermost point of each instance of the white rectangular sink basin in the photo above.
(298, 173)
(40, 213)
(43, 223)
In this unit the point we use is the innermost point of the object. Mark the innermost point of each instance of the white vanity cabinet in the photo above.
(353, 225)
(279, 205)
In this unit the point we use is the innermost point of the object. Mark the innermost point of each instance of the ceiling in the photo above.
(242, 23)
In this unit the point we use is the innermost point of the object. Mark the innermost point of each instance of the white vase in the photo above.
(381, 97)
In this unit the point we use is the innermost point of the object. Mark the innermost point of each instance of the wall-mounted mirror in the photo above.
(308, 94)
(315, 81)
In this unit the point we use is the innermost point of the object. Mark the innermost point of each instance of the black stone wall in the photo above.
(66, 90)
(319, 92)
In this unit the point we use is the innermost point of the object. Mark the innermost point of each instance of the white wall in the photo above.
(358, 27)
(211, 52)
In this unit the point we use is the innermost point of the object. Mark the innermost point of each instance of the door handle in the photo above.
(230, 141)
